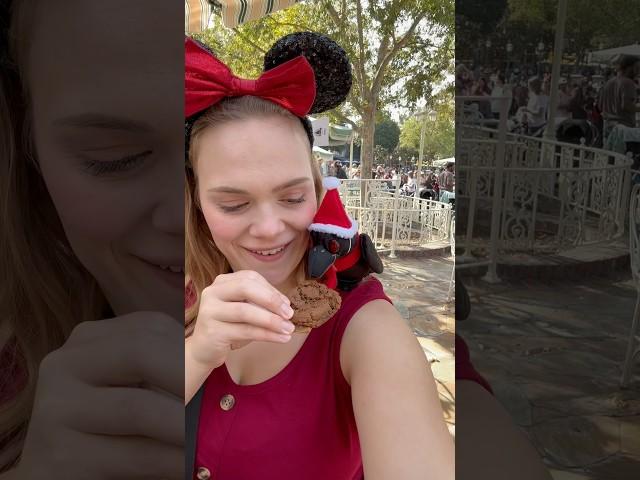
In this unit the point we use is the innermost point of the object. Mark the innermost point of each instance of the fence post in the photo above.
(492, 274)
(394, 226)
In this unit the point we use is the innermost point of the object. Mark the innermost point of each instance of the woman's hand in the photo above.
(109, 403)
(236, 309)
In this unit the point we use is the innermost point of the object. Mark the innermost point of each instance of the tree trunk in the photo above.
(366, 152)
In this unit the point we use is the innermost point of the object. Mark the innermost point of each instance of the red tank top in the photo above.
(299, 424)
(464, 368)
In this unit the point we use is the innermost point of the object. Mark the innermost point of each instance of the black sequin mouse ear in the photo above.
(328, 59)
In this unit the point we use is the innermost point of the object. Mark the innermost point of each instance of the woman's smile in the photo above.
(272, 254)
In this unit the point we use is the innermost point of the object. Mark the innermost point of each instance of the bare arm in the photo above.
(400, 422)
(489, 445)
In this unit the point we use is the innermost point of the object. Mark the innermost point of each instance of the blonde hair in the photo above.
(50, 292)
(203, 261)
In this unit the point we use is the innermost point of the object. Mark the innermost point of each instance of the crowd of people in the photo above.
(432, 181)
(594, 102)
(431, 184)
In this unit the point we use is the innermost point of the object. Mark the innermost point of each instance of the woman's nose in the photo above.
(266, 223)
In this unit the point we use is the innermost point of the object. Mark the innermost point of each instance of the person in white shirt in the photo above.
(499, 90)
(537, 105)
(411, 184)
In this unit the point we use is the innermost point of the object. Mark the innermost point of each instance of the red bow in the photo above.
(291, 85)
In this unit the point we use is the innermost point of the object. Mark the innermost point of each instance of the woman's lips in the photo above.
(269, 258)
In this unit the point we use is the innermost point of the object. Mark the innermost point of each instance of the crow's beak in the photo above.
(319, 261)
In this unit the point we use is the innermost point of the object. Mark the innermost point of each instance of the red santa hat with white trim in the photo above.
(331, 217)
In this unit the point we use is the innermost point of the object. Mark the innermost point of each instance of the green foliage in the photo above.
(590, 23)
(439, 140)
(387, 135)
(485, 15)
(380, 155)
(407, 154)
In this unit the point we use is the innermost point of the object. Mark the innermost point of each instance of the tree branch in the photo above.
(249, 41)
(357, 62)
(400, 44)
(357, 103)
(286, 24)
(335, 16)
(346, 119)
(363, 86)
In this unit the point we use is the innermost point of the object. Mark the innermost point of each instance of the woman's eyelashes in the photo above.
(296, 200)
(233, 208)
(113, 167)
(240, 206)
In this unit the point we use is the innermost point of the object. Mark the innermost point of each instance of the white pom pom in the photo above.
(330, 183)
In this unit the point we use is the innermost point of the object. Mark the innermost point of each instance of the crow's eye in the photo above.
(334, 246)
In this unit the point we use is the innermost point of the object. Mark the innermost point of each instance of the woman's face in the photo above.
(111, 154)
(257, 194)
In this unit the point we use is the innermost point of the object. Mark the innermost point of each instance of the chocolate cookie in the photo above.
(313, 304)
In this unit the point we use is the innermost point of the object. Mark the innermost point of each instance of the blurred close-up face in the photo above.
(256, 191)
(108, 135)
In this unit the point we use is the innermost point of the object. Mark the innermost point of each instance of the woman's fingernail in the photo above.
(288, 327)
(286, 310)
(286, 300)
(284, 338)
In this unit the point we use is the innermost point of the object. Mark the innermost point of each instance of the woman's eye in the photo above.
(111, 167)
(295, 200)
(232, 208)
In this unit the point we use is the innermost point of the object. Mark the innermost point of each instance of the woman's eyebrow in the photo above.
(290, 183)
(101, 121)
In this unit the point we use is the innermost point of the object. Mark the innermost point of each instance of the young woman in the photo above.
(92, 218)
(353, 398)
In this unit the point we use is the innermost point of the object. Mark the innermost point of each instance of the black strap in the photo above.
(192, 416)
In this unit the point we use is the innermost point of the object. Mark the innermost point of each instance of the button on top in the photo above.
(203, 473)
(227, 402)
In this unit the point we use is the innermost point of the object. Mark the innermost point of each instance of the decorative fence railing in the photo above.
(394, 220)
(552, 196)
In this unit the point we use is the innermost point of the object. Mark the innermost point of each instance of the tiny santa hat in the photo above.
(331, 217)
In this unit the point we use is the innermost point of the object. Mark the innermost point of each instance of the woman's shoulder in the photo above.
(377, 331)
(368, 290)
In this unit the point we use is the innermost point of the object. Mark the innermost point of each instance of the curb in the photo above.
(557, 269)
(419, 252)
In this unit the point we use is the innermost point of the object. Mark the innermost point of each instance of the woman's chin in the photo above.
(276, 278)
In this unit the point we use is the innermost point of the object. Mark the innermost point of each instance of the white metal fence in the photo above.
(522, 194)
(393, 220)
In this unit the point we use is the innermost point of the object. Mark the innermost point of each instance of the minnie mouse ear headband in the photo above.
(208, 81)
(304, 73)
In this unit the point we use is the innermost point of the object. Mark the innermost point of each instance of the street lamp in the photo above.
(488, 45)
(509, 50)
(431, 116)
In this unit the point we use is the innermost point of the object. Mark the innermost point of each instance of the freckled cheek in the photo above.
(310, 212)
(302, 218)
(223, 228)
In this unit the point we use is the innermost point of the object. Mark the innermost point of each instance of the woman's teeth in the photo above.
(268, 252)
(172, 268)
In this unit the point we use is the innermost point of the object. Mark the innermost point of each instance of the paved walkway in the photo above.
(553, 353)
(418, 288)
